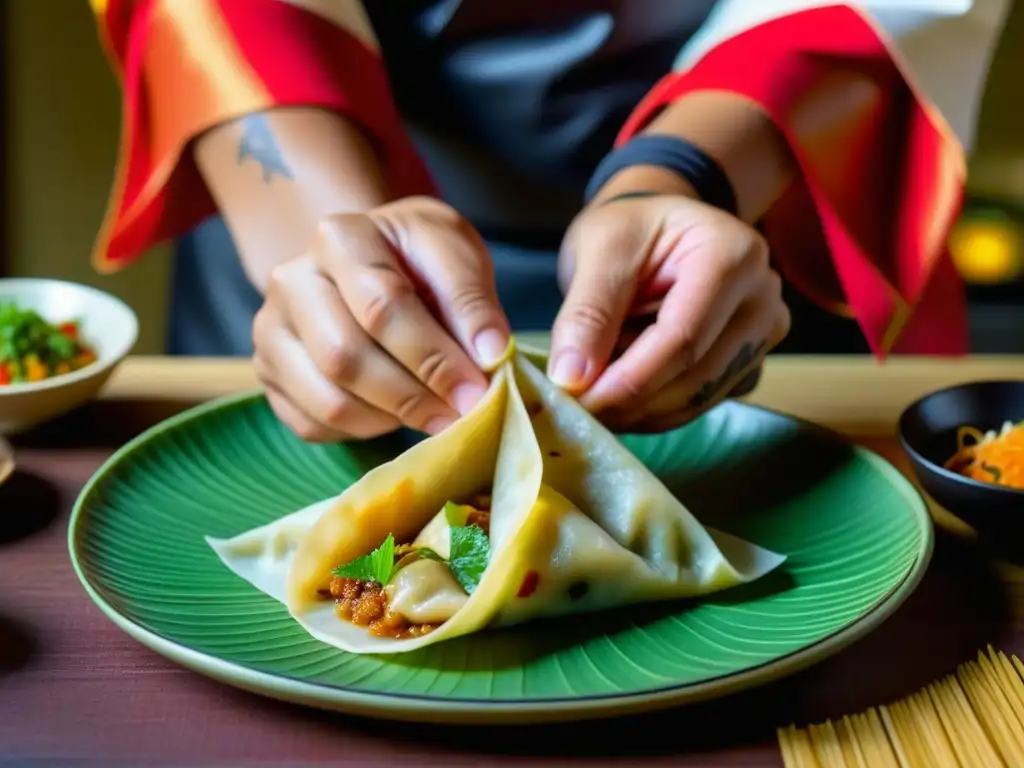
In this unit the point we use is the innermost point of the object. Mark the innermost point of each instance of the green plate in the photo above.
(857, 535)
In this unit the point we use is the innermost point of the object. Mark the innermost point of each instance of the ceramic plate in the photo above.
(857, 535)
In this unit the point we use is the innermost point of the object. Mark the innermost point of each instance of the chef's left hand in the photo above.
(670, 307)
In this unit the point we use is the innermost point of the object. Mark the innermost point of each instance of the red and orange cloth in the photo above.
(878, 255)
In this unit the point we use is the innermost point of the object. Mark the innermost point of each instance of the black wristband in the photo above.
(674, 154)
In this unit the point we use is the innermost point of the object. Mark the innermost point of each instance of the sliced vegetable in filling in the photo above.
(406, 590)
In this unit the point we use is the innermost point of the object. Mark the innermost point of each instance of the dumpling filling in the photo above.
(406, 590)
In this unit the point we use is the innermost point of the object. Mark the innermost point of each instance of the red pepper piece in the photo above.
(529, 585)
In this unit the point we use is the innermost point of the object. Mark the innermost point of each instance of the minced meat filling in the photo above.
(481, 514)
(481, 519)
(365, 603)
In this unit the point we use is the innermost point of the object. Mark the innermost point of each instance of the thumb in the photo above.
(599, 295)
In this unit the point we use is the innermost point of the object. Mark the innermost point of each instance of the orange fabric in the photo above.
(188, 66)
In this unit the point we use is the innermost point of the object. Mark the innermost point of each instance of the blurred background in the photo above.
(61, 128)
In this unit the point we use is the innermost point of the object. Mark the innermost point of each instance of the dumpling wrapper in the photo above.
(489, 448)
(578, 524)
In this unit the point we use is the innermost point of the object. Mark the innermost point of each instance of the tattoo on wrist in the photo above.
(258, 144)
(747, 384)
(718, 387)
(630, 195)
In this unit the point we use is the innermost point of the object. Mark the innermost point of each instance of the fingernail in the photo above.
(438, 424)
(467, 395)
(490, 345)
(568, 369)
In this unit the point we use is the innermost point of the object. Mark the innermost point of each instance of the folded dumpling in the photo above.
(526, 507)
(607, 531)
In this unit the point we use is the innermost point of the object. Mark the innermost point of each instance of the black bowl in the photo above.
(927, 431)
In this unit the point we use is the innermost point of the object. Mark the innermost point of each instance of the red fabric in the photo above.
(304, 59)
(866, 225)
(293, 57)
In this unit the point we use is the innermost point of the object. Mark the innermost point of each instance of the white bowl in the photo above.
(108, 325)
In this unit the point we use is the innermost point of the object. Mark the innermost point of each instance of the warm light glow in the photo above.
(987, 251)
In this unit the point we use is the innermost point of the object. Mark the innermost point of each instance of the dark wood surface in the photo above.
(73, 687)
(4, 144)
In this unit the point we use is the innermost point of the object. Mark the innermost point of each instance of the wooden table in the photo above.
(72, 686)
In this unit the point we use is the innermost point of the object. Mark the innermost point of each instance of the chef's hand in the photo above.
(678, 296)
(386, 320)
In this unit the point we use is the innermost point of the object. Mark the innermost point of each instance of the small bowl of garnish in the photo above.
(966, 446)
(59, 343)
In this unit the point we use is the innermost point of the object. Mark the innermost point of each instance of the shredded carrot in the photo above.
(991, 457)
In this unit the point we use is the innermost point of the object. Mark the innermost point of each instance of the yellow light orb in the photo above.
(986, 251)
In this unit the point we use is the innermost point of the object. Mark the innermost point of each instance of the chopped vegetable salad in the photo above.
(32, 349)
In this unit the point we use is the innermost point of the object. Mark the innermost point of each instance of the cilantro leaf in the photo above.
(470, 551)
(376, 566)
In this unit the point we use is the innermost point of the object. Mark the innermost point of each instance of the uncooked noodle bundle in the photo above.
(972, 719)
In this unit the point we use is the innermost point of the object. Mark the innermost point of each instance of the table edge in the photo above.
(855, 395)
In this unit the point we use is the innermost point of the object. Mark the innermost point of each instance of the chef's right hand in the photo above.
(388, 319)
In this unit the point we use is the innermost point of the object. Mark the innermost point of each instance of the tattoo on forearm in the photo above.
(630, 196)
(748, 354)
(258, 144)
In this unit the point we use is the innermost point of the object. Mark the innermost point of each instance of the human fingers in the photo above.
(606, 251)
(382, 299)
(345, 355)
(447, 257)
(631, 330)
(284, 365)
(709, 286)
(748, 383)
(732, 365)
(306, 428)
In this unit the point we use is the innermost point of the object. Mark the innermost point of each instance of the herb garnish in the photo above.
(470, 547)
(377, 566)
(469, 551)
(427, 554)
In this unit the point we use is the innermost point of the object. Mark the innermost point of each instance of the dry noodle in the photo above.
(971, 719)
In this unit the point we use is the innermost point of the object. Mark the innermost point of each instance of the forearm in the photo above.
(275, 174)
(861, 227)
(734, 132)
(745, 142)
